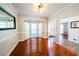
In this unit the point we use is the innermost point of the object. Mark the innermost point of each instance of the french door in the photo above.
(27, 30)
(33, 29)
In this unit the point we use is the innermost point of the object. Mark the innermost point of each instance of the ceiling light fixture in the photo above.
(39, 7)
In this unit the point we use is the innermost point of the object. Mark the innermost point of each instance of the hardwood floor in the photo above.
(40, 47)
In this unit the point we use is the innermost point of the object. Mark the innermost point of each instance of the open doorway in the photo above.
(64, 30)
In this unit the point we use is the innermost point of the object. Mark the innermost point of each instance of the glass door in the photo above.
(40, 29)
(33, 29)
(27, 30)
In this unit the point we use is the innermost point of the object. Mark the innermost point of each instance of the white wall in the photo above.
(8, 38)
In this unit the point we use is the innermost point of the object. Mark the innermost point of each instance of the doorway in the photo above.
(64, 30)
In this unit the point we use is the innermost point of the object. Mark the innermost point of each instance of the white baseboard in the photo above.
(12, 48)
